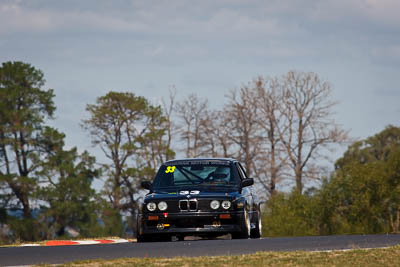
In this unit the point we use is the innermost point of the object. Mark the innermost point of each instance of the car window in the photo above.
(179, 175)
(241, 170)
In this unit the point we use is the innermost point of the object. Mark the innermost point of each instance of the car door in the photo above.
(246, 191)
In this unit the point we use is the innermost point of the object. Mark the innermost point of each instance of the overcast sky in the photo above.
(87, 48)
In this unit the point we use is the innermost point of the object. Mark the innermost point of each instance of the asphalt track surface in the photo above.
(14, 256)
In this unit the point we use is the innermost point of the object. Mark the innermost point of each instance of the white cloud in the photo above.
(386, 54)
(207, 17)
(175, 18)
(386, 11)
(381, 12)
(157, 51)
(16, 18)
(88, 47)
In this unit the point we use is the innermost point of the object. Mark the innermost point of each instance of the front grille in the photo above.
(183, 204)
(192, 205)
(188, 205)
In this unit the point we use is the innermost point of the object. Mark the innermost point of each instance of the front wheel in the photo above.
(153, 238)
(140, 238)
(256, 232)
(245, 226)
(143, 238)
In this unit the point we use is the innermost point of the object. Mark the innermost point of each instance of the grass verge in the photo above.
(359, 257)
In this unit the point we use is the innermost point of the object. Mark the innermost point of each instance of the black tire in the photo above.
(153, 238)
(140, 238)
(143, 238)
(177, 238)
(245, 226)
(164, 238)
(256, 232)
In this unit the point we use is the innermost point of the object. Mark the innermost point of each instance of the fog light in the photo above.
(160, 226)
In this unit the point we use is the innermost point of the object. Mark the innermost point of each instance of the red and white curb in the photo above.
(78, 242)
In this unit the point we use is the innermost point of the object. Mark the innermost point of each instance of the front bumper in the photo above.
(190, 223)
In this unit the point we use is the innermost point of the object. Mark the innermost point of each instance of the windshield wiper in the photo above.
(187, 177)
(191, 173)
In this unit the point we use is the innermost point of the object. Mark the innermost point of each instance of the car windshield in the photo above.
(183, 175)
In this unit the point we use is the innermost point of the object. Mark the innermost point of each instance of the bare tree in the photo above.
(190, 111)
(268, 103)
(168, 109)
(279, 128)
(214, 136)
(243, 127)
(307, 124)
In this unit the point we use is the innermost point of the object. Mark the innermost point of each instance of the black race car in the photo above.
(201, 197)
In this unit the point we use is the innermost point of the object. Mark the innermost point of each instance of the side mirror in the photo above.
(247, 182)
(145, 185)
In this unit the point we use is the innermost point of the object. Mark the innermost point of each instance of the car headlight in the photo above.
(162, 205)
(226, 204)
(214, 204)
(151, 206)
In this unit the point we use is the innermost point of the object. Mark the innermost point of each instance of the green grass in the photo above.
(359, 257)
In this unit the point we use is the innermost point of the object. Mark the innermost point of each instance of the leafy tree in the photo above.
(363, 194)
(291, 214)
(356, 200)
(66, 179)
(115, 123)
(375, 148)
(24, 106)
(130, 132)
(111, 219)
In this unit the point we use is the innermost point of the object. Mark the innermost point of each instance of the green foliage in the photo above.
(69, 197)
(290, 214)
(35, 166)
(24, 106)
(111, 219)
(23, 100)
(361, 197)
(130, 132)
(353, 201)
(24, 229)
(375, 148)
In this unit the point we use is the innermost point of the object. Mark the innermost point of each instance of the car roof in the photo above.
(194, 160)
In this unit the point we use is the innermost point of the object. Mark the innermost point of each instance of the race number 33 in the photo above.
(170, 169)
